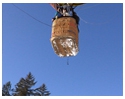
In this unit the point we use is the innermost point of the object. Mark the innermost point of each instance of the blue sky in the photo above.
(97, 70)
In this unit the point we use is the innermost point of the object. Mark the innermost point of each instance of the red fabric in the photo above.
(54, 5)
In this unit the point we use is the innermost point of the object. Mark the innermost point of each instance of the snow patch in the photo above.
(69, 47)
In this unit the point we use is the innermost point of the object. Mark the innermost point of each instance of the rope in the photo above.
(67, 60)
(92, 23)
(79, 8)
(31, 16)
(91, 6)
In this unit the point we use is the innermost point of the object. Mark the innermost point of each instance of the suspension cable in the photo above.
(31, 16)
(101, 23)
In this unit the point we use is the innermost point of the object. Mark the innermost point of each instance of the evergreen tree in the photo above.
(6, 89)
(24, 88)
(42, 91)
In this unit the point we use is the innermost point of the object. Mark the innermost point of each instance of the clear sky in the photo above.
(97, 70)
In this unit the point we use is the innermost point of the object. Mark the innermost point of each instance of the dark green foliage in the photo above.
(24, 88)
(6, 89)
(41, 91)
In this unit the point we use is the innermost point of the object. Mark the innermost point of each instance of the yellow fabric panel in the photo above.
(74, 4)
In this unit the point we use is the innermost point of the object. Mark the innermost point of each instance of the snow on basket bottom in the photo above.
(64, 38)
(65, 46)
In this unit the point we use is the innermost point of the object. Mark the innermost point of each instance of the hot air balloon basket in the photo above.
(64, 38)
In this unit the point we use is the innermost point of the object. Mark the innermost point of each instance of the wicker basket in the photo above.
(64, 36)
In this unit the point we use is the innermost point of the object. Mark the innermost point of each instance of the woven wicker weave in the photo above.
(64, 36)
